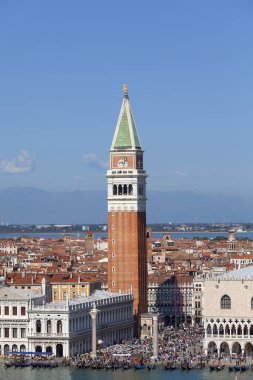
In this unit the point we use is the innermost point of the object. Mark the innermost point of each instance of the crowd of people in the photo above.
(182, 345)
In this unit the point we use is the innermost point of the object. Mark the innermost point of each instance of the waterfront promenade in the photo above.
(178, 349)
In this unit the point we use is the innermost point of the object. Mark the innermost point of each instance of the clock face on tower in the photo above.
(122, 163)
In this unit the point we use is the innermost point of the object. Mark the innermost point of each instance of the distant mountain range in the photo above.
(34, 206)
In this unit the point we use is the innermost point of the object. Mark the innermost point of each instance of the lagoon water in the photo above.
(174, 235)
(64, 373)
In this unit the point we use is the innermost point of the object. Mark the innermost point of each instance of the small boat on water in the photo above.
(170, 366)
(151, 367)
(239, 368)
(220, 367)
(8, 364)
(126, 366)
(139, 366)
(235, 368)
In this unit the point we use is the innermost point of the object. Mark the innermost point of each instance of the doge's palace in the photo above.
(228, 312)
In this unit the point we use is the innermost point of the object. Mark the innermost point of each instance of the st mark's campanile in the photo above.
(127, 252)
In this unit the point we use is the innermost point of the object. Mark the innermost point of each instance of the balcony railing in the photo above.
(47, 334)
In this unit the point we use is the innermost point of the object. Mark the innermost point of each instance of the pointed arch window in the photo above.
(114, 190)
(221, 330)
(215, 330)
(120, 190)
(125, 189)
(225, 302)
(130, 189)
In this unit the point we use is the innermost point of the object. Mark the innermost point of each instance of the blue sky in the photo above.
(189, 68)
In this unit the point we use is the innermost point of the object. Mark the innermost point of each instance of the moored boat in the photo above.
(220, 367)
(139, 366)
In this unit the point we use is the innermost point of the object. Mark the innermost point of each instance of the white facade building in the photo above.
(9, 249)
(14, 318)
(28, 323)
(228, 312)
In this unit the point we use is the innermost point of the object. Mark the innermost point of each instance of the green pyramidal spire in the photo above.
(126, 136)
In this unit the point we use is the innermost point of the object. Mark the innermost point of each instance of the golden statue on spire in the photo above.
(125, 88)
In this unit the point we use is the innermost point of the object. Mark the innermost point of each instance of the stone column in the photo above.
(93, 314)
(155, 336)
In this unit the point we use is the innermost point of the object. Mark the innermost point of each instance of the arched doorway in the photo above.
(189, 319)
(22, 348)
(236, 348)
(14, 348)
(248, 348)
(167, 320)
(212, 348)
(38, 349)
(49, 349)
(59, 350)
(6, 349)
(224, 348)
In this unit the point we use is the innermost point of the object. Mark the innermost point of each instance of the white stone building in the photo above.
(8, 249)
(64, 328)
(228, 312)
(28, 323)
(14, 318)
(242, 260)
